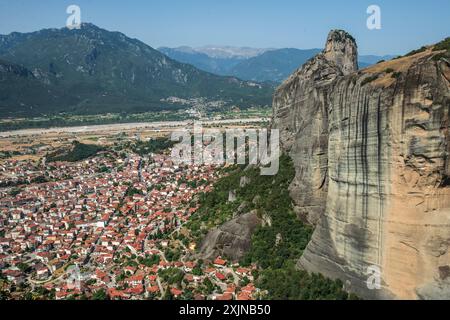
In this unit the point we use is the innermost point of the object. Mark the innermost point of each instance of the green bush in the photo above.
(416, 51)
(443, 45)
(396, 75)
(369, 80)
(80, 151)
(157, 145)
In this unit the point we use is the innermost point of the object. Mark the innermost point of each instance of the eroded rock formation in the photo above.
(371, 150)
(232, 239)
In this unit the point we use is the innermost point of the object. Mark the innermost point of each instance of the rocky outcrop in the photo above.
(342, 51)
(232, 239)
(371, 152)
(301, 113)
(10, 68)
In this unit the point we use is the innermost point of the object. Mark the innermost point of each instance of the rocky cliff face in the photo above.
(371, 152)
(232, 239)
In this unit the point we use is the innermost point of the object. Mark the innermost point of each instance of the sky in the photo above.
(405, 25)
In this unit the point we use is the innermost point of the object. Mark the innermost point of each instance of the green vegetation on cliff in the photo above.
(215, 209)
(443, 45)
(279, 243)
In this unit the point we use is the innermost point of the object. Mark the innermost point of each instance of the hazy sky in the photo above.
(406, 25)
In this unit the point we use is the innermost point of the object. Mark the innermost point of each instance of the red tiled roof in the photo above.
(243, 296)
(153, 289)
(220, 262)
(220, 276)
(248, 288)
(225, 297)
(136, 290)
(176, 292)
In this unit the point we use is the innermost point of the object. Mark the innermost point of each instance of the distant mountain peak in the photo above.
(89, 25)
(272, 65)
(221, 52)
(231, 51)
(93, 70)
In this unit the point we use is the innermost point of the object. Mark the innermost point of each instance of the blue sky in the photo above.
(406, 25)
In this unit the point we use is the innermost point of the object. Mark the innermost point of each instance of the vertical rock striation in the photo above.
(371, 152)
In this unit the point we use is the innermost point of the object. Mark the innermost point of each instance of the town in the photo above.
(110, 226)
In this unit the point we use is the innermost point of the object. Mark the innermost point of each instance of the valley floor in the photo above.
(120, 127)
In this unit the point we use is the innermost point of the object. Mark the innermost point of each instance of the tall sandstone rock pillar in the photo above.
(371, 150)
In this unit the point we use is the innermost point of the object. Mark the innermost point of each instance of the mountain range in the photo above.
(230, 52)
(273, 65)
(91, 70)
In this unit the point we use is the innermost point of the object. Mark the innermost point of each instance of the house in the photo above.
(42, 272)
(152, 278)
(129, 269)
(153, 289)
(210, 270)
(135, 291)
(199, 297)
(164, 243)
(175, 292)
(220, 276)
(227, 296)
(250, 288)
(63, 294)
(243, 296)
(231, 288)
(15, 276)
(242, 271)
(99, 275)
(115, 294)
(220, 262)
(188, 266)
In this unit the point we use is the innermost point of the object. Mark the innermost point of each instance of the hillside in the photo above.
(20, 85)
(368, 60)
(92, 70)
